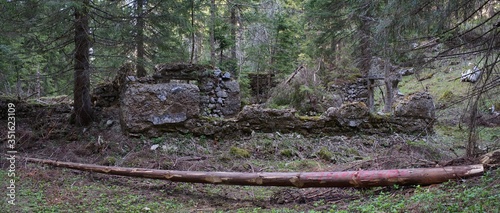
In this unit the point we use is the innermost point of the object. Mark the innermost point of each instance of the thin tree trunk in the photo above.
(234, 26)
(139, 39)
(366, 58)
(83, 113)
(192, 32)
(388, 87)
(212, 32)
(373, 178)
(38, 84)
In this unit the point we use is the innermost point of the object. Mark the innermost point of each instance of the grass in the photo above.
(477, 196)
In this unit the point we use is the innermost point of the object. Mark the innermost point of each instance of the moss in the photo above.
(447, 96)
(287, 153)
(211, 119)
(325, 154)
(109, 161)
(239, 152)
(309, 118)
(352, 152)
(353, 77)
(224, 158)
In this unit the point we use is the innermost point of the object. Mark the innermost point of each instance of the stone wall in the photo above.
(220, 95)
(155, 105)
(350, 118)
(355, 92)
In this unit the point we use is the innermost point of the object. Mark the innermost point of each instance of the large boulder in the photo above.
(418, 105)
(144, 106)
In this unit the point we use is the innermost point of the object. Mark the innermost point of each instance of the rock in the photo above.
(232, 86)
(207, 86)
(418, 105)
(222, 94)
(146, 105)
(226, 76)
(217, 72)
(154, 147)
(109, 123)
(131, 78)
(406, 71)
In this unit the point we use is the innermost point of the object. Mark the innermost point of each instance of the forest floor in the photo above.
(40, 188)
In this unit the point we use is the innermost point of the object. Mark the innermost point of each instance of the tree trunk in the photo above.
(83, 113)
(293, 179)
(192, 33)
(139, 39)
(212, 33)
(388, 87)
(366, 56)
(234, 25)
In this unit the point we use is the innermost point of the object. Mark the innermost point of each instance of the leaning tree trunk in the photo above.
(82, 107)
(293, 179)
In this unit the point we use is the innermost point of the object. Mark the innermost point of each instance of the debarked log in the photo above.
(419, 176)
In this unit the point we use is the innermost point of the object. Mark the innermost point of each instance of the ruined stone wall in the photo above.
(415, 114)
(220, 95)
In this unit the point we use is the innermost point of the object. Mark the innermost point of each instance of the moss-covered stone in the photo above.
(239, 152)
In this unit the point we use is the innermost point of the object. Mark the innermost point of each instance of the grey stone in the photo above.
(131, 78)
(169, 118)
(232, 86)
(217, 72)
(222, 94)
(226, 76)
(154, 147)
(109, 123)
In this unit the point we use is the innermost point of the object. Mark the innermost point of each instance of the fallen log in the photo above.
(421, 176)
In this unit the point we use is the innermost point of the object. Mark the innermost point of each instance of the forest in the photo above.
(265, 86)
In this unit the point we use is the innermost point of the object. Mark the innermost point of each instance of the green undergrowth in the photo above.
(454, 196)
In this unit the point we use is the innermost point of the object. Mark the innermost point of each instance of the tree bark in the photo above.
(293, 179)
(192, 33)
(388, 87)
(234, 26)
(212, 33)
(139, 39)
(83, 113)
(366, 57)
